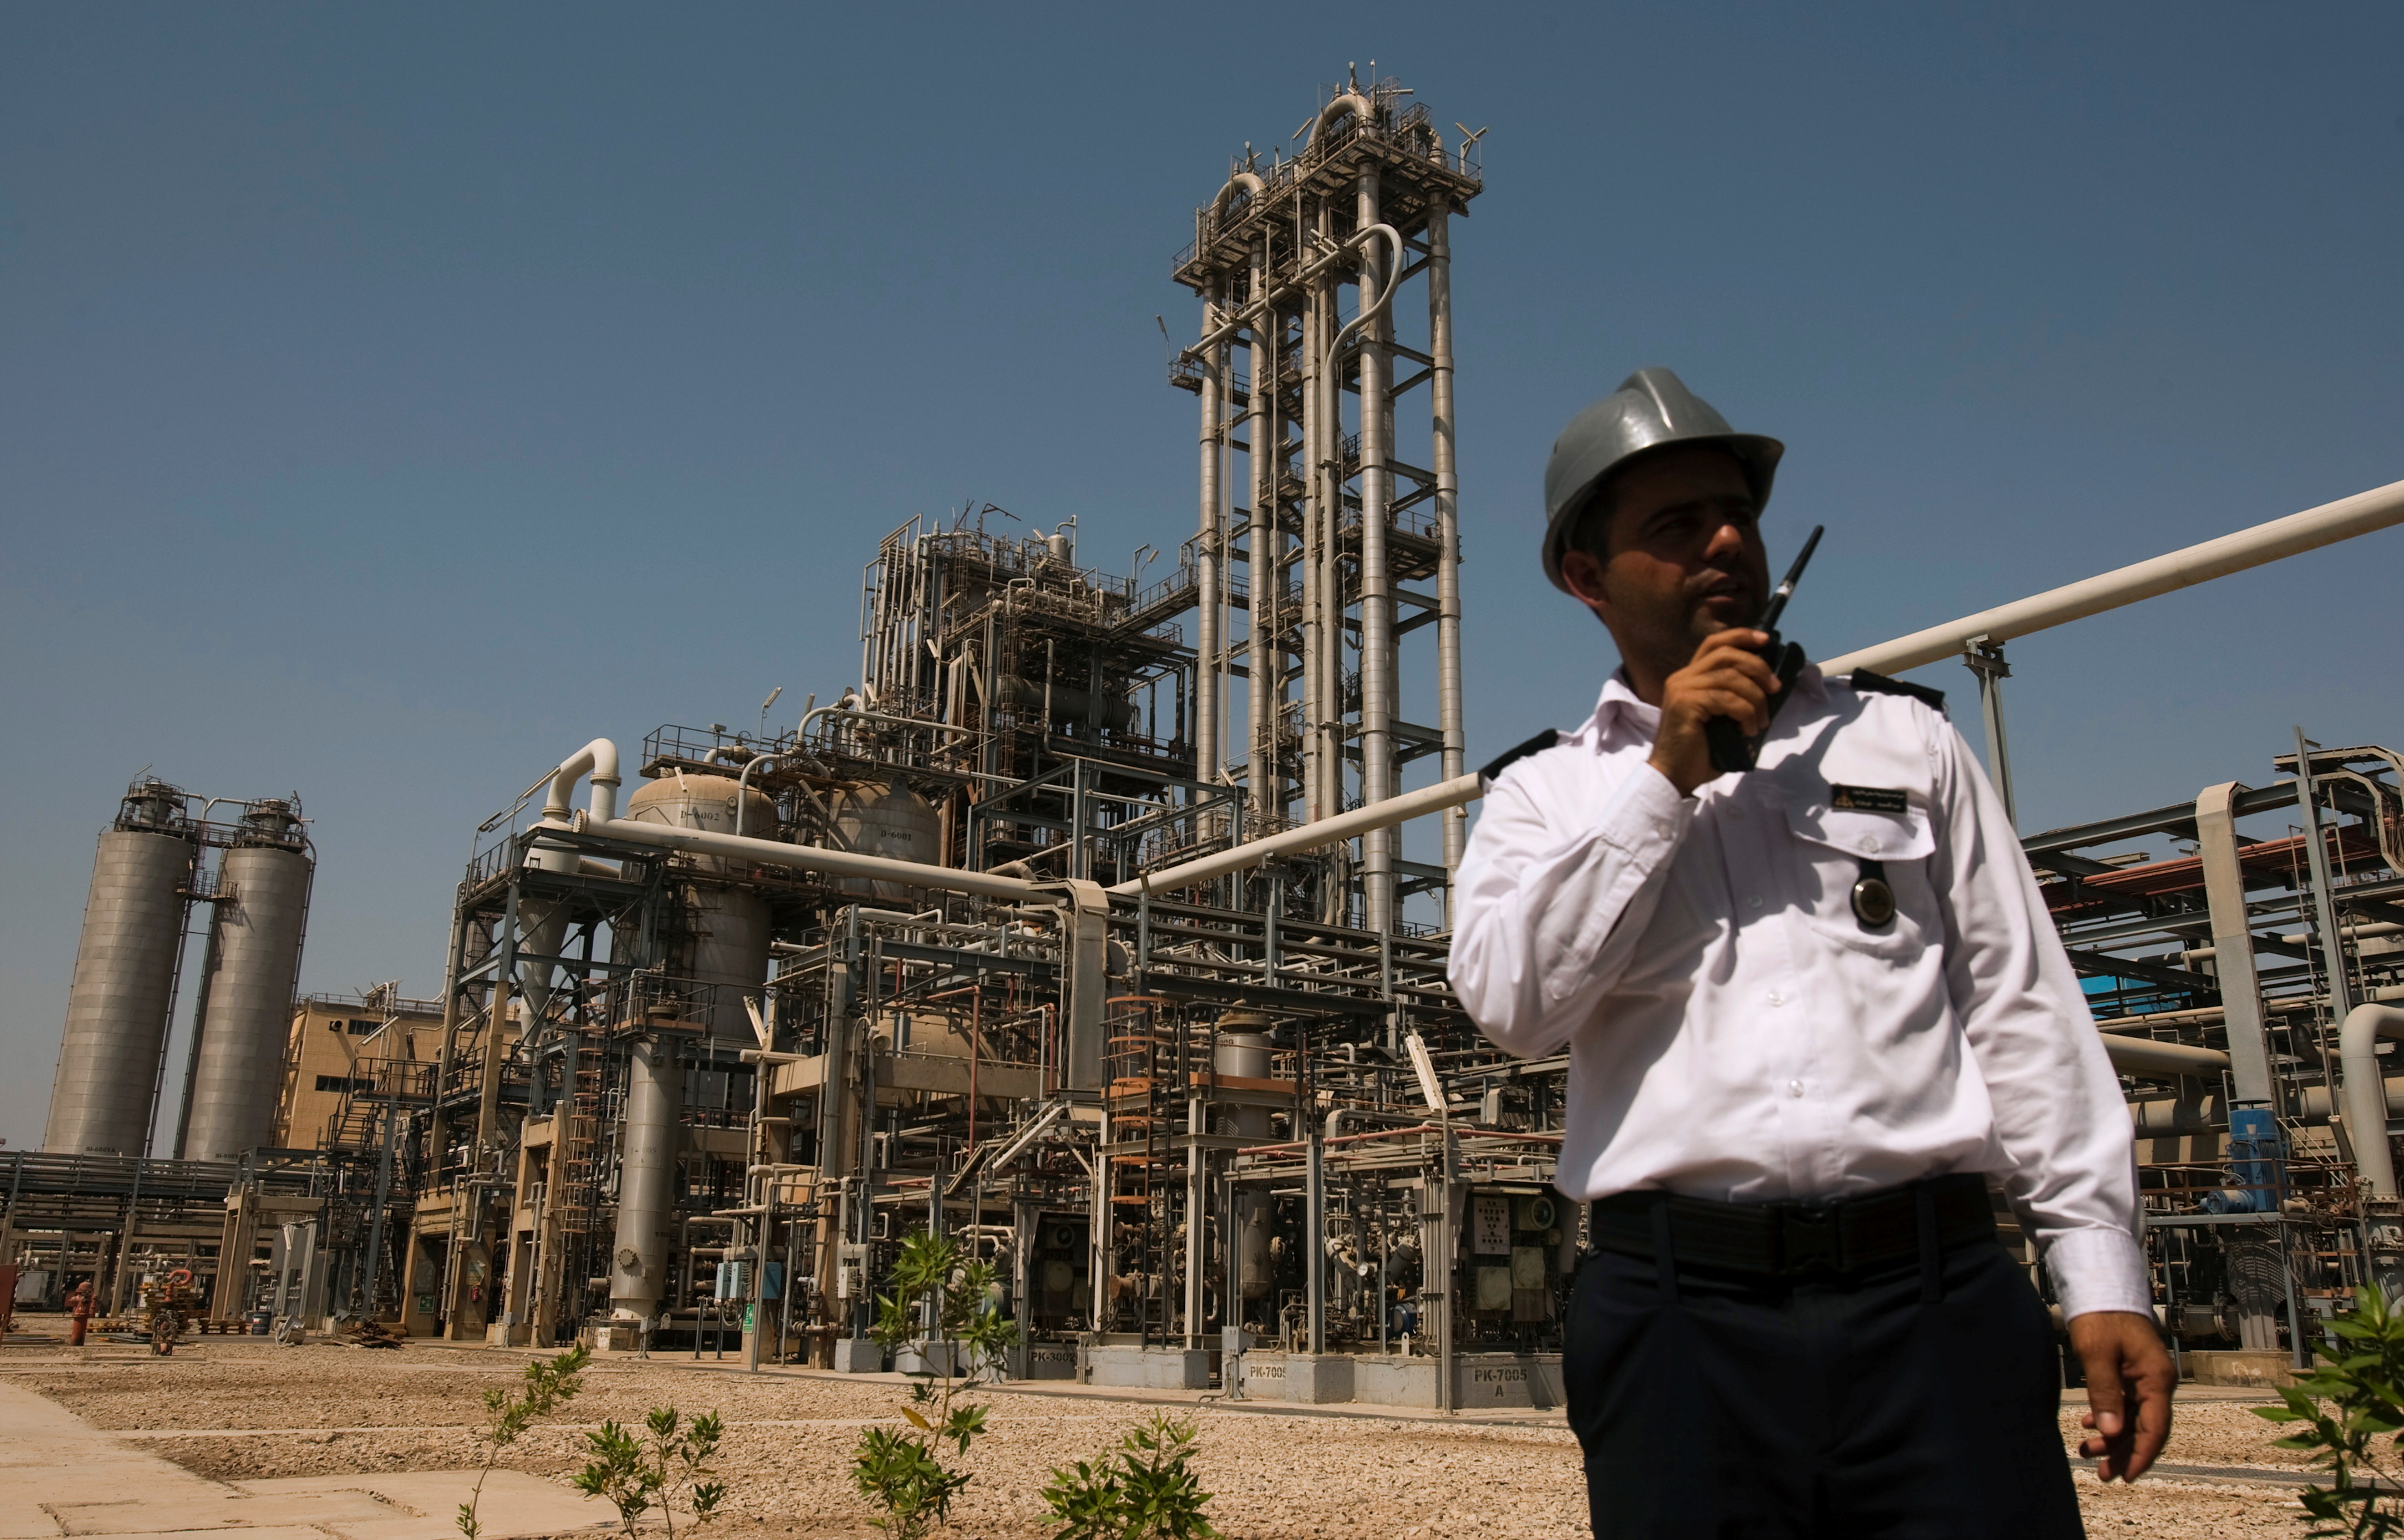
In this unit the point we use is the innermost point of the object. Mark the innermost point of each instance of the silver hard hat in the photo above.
(1650, 409)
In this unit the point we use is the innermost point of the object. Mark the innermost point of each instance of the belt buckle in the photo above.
(1809, 1240)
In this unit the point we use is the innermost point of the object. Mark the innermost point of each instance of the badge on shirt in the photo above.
(1867, 799)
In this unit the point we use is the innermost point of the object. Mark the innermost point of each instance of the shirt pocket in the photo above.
(1831, 847)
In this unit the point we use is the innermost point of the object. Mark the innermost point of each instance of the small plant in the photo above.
(2364, 1396)
(636, 1475)
(943, 1297)
(548, 1385)
(1141, 1491)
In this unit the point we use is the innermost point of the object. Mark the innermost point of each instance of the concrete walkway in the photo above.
(59, 1476)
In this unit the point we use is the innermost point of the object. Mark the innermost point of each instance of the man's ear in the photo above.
(1582, 571)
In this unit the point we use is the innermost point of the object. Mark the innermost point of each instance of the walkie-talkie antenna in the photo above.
(1777, 604)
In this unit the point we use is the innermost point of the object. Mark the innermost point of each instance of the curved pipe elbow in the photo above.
(599, 759)
(1350, 105)
(1244, 181)
(2365, 1092)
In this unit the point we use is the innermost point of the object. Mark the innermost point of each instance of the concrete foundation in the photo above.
(616, 1337)
(1043, 1360)
(1318, 1379)
(857, 1355)
(1148, 1368)
(1480, 1380)
(2266, 1371)
(929, 1358)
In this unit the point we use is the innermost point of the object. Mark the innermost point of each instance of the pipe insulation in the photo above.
(2144, 1057)
(2309, 530)
(1310, 836)
(811, 858)
(2365, 1098)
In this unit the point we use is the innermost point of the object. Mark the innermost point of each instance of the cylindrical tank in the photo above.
(728, 925)
(1242, 1051)
(124, 979)
(887, 819)
(646, 1172)
(1070, 703)
(683, 801)
(247, 1023)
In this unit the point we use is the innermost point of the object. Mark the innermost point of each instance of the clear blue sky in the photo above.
(393, 398)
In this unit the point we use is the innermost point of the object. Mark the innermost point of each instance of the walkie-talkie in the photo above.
(1732, 751)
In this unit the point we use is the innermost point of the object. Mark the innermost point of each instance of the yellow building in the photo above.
(337, 1043)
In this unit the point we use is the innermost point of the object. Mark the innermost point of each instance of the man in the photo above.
(1812, 1009)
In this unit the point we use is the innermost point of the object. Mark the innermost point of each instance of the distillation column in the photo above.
(1366, 205)
(1377, 599)
(1263, 661)
(1447, 514)
(1205, 554)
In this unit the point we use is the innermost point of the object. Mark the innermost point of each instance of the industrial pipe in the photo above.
(811, 858)
(600, 757)
(2313, 527)
(743, 787)
(1351, 103)
(1310, 836)
(2144, 1056)
(2365, 1092)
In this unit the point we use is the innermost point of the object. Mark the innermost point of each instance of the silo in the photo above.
(887, 819)
(124, 978)
(255, 953)
(728, 925)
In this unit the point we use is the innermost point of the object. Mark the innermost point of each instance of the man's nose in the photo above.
(1726, 541)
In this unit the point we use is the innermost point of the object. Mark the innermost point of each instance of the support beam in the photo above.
(2233, 944)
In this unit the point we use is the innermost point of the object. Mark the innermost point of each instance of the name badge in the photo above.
(1868, 799)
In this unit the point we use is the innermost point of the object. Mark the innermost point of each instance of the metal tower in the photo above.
(1334, 521)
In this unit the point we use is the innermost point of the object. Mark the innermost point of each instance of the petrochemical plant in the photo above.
(1080, 926)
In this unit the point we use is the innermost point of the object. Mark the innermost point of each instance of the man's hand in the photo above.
(2125, 1362)
(1726, 678)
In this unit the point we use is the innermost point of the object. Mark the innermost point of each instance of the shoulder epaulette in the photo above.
(1536, 745)
(1878, 684)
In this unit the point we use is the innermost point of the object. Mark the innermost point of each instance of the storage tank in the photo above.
(124, 978)
(1242, 1051)
(247, 1005)
(729, 926)
(888, 820)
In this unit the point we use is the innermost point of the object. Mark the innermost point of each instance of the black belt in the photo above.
(1791, 1239)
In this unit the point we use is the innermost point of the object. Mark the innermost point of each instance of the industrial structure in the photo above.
(153, 872)
(1079, 927)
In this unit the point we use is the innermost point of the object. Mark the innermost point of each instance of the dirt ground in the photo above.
(238, 1409)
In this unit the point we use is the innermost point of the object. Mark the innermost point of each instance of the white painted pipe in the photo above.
(2138, 1056)
(1311, 836)
(2313, 527)
(2360, 515)
(599, 757)
(2365, 1092)
(811, 858)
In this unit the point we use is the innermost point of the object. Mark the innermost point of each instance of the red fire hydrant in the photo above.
(80, 1304)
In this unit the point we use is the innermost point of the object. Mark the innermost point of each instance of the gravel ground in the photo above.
(236, 1409)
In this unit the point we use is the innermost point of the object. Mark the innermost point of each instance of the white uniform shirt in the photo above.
(1737, 1033)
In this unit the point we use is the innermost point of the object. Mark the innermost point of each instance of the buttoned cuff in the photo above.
(1651, 818)
(2099, 1269)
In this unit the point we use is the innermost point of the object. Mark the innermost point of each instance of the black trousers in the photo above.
(1736, 1407)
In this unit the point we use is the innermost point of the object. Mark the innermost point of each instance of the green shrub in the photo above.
(635, 1476)
(941, 1295)
(2352, 1409)
(1141, 1491)
(549, 1384)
